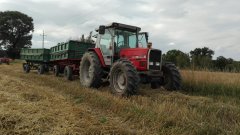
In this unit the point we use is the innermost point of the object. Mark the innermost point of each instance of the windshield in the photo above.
(125, 39)
(142, 41)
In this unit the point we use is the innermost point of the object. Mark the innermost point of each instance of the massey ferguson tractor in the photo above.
(122, 56)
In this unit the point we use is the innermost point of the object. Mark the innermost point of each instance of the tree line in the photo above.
(201, 58)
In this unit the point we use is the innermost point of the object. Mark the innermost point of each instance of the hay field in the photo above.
(44, 104)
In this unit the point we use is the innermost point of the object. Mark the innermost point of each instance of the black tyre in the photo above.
(90, 72)
(26, 68)
(46, 68)
(172, 77)
(56, 70)
(124, 79)
(68, 73)
(41, 69)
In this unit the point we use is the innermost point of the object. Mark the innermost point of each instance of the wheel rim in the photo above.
(86, 71)
(119, 81)
(65, 72)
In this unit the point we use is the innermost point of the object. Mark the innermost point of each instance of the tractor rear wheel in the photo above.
(56, 70)
(124, 79)
(90, 70)
(68, 73)
(41, 69)
(172, 77)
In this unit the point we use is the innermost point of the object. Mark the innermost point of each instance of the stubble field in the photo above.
(209, 103)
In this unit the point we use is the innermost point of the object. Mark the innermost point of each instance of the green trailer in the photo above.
(63, 58)
(71, 50)
(37, 55)
(66, 57)
(35, 58)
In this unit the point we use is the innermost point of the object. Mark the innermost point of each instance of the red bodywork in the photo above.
(138, 56)
(99, 54)
(73, 63)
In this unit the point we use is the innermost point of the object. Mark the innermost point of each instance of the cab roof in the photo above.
(122, 26)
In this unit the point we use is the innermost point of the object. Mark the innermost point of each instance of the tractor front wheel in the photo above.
(90, 72)
(124, 79)
(172, 77)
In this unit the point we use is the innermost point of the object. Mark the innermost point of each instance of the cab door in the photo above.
(105, 45)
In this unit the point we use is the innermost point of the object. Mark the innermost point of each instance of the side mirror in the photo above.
(101, 29)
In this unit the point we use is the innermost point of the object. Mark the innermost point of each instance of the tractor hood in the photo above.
(134, 53)
(143, 58)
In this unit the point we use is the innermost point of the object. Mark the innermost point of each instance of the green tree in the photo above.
(15, 32)
(202, 57)
(221, 63)
(178, 57)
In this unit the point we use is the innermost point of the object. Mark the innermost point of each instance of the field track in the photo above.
(44, 104)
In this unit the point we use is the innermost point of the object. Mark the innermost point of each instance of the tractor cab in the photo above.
(115, 37)
(117, 41)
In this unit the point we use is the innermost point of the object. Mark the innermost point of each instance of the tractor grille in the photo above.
(155, 60)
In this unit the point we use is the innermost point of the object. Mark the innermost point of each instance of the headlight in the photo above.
(157, 63)
(140, 57)
(151, 63)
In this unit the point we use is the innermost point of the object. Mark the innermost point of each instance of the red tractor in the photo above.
(122, 56)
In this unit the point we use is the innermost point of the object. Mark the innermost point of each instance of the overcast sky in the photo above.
(172, 24)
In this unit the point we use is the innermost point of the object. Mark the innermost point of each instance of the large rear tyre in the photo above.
(68, 73)
(41, 69)
(90, 72)
(56, 70)
(172, 77)
(124, 79)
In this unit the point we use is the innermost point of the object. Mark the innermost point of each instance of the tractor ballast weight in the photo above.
(122, 56)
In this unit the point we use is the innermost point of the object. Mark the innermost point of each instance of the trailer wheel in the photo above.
(56, 70)
(26, 68)
(46, 68)
(172, 77)
(124, 79)
(90, 70)
(68, 73)
(41, 69)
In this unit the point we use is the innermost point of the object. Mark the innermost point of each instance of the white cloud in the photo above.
(189, 24)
